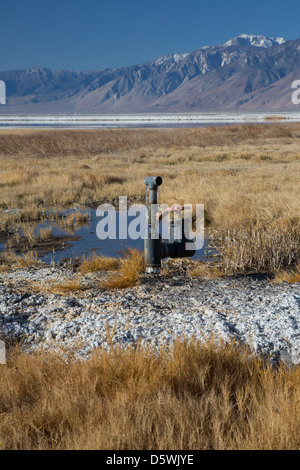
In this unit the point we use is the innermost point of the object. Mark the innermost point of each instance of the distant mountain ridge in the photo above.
(246, 73)
(253, 40)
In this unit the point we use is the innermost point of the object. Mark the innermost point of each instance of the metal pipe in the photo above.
(153, 181)
(153, 240)
(155, 249)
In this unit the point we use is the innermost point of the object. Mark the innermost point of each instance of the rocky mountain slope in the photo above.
(247, 73)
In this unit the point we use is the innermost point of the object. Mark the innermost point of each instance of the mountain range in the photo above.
(247, 73)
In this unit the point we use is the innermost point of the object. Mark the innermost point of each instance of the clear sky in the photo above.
(94, 34)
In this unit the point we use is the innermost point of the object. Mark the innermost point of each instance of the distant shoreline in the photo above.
(138, 121)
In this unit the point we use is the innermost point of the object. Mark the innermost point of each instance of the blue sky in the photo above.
(94, 34)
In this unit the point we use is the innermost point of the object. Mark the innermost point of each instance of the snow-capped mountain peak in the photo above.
(171, 58)
(253, 40)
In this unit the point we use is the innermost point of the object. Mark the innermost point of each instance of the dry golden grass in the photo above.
(76, 218)
(88, 166)
(72, 286)
(126, 273)
(275, 118)
(247, 176)
(131, 265)
(204, 269)
(64, 143)
(291, 276)
(99, 263)
(45, 233)
(259, 248)
(10, 260)
(194, 397)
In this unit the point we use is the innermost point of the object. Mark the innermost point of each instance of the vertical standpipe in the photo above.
(153, 240)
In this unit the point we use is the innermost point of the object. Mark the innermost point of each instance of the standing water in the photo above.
(83, 242)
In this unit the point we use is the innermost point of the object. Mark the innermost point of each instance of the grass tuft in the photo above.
(9, 260)
(130, 268)
(99, 263)
(68, 287)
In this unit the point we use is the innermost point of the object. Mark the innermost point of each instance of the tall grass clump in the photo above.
(258, 247)
(131, 265)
